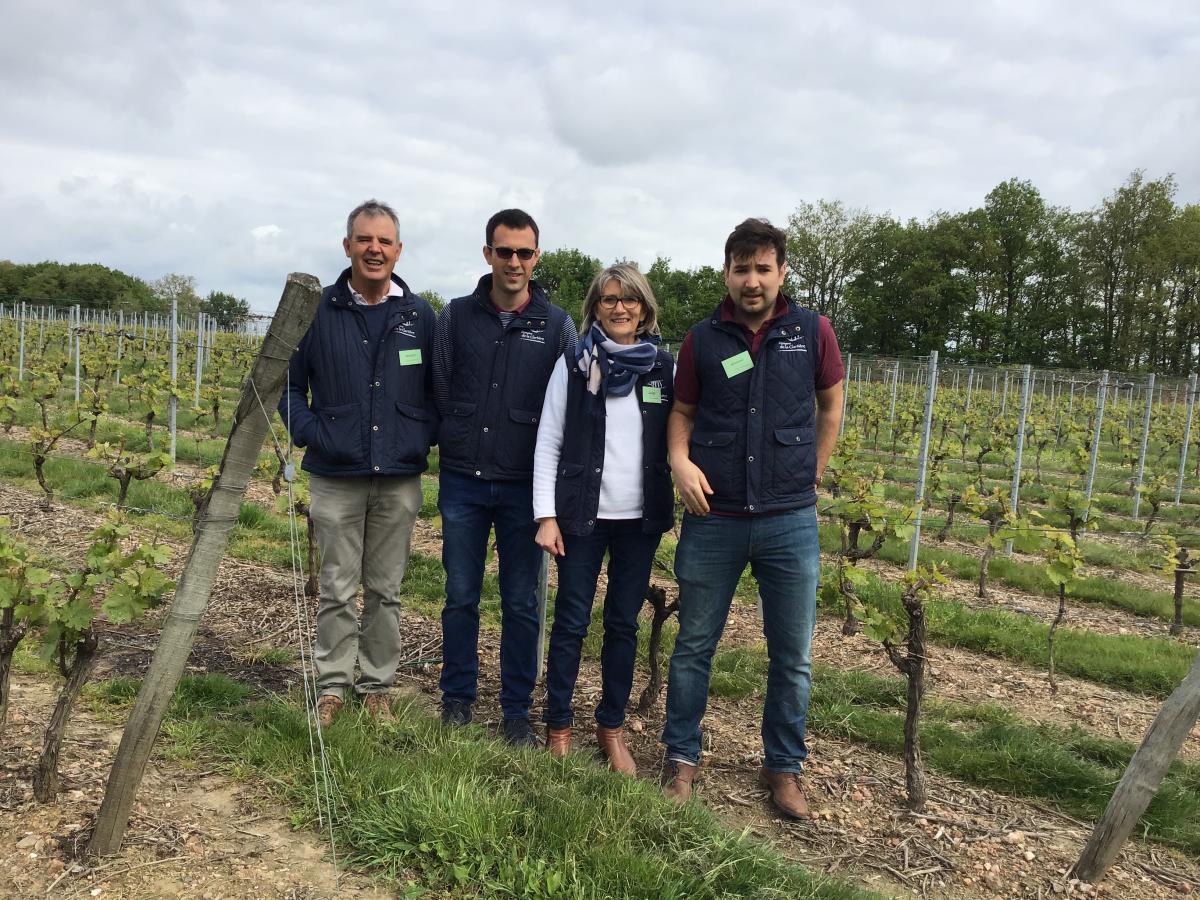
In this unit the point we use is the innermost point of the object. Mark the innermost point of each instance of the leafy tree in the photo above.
(434, 299)
(685, 296)
(827, 244)
(229, 312)
(181, 289)
(566, 274)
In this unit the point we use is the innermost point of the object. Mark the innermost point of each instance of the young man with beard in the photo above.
(494, 350)
(758, 402)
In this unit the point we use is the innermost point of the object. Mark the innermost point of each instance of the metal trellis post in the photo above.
(1141, 469)
(921, 466)
(1187, 436)
(1102, 395)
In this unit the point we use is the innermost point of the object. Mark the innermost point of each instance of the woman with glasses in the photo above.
(601, 484)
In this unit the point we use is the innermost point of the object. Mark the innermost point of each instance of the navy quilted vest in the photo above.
(754, 435)
(577, 482)
(498, 383)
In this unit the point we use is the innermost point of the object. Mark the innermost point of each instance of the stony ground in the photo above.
(198, 834)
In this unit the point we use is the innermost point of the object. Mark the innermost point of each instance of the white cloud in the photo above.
(160, 138)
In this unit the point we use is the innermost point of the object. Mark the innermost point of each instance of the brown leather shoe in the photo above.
(328, 706)
(677, 778)
(613, 748)
(786, 792)
(558, 740)
(378, 707)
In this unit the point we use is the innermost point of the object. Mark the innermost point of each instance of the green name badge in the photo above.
(737, 364)
(410, 357)
(651, 395)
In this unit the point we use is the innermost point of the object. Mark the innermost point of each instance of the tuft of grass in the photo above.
(468, 816)
(273, 656)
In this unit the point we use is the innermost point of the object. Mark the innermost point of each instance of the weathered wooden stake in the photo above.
(1141, 780)
(217, 517)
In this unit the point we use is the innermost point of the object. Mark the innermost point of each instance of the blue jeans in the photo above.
(470, 507)
(783, 554)
(630, 556)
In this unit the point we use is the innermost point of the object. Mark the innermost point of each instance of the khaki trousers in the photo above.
(364, 529)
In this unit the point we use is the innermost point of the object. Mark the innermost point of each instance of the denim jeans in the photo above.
(470, 507)
(783, 554)
(630, 555)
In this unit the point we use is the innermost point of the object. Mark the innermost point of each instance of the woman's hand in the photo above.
(549, 538)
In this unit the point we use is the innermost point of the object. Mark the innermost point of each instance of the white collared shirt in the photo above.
(394, 290)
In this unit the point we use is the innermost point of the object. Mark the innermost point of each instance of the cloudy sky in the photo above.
(228, 140)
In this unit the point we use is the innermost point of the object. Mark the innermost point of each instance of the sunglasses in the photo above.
(525, 254)
(627, 302)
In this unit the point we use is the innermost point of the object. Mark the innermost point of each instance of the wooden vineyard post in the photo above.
(217, 516)
(1142, 778)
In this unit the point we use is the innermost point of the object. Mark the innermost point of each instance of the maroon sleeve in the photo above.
(687, 387)
(831, 370)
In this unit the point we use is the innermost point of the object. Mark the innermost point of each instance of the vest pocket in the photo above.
(795, 466)
(410, 440)
(568, 491)
(454, 430)
(340, 434)
(515, 451)
(711, 451)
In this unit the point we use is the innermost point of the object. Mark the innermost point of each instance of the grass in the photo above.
(1150, 666)
(979, 743)
(451, 811)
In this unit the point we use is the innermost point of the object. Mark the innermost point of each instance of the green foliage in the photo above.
(88, 284)
(228, 311)
(464, 814)
(566, 274)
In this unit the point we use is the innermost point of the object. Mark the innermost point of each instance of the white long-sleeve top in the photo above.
(621, 480)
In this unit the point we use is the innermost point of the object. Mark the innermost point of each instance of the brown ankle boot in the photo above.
(558, 740)
(612, 746)
(785, 792)
(677, 778)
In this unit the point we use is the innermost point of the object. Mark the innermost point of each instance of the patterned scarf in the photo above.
(611, 367)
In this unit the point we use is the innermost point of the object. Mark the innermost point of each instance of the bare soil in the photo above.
(186, 841)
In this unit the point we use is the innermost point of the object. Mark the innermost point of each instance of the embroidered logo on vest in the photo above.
(793, 345)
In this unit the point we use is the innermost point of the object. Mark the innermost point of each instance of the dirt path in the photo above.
(193, 833)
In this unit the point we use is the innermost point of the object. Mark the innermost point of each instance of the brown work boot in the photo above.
(558, 740)
(612, 746)
(786, 792)
(677, 778)
(378, 707)
(328, 706)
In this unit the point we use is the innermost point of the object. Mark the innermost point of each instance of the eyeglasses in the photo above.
(525, 254)
(627, 302)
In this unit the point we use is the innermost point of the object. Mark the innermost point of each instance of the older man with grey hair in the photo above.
(359, 399)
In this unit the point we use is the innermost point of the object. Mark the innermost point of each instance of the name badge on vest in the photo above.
(410, 357)
(737, 364)
(651, 394)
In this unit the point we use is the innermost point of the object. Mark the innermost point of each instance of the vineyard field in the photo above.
(1056, 505)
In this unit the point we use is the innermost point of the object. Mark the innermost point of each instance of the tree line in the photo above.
(95, 286)
(1016, 280)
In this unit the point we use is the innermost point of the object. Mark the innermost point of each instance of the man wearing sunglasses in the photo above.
(494, 350)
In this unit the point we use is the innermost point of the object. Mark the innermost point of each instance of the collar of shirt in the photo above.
(514, 312)
(394, 290)
(781, 305)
